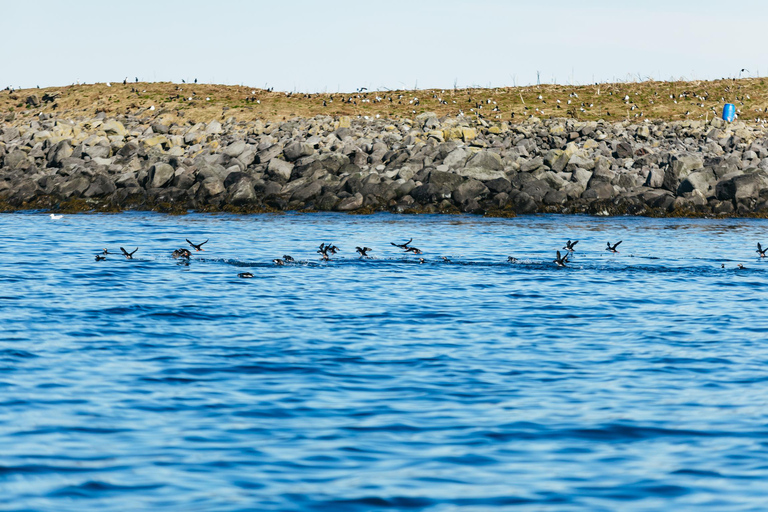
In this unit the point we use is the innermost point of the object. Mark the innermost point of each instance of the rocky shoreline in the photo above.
(427, 164)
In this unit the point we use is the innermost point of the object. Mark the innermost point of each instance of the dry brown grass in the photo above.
(646, 100)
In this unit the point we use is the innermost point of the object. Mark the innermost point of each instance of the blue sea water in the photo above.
(635, 381)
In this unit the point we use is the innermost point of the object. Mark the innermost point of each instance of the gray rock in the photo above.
(23, 192)
(211, 187)
(75, 187)
(307, 192)
(480, 173)
(242, 192)
(702, 181)
(655, 178)
(297, 150)
(679, 169)
(456, 158)
(58, 153)
(235, 149)
(280, 169)
(470, 189)
(600, 190)
(536, 190)
(213, 128)
(354, 202)
(555, 197)
(445, 179)
(499, 185)
(100, 187)
(485, 160)
(160, 175)
(532, 164)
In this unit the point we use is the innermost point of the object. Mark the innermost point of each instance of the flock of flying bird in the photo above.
(327, 250)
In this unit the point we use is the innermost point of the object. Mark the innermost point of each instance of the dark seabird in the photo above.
(323, 251)
(413, 250)
(446, 259)
(741, 267)
(278, 262)
(560, 261)
(332, 248)
(245, 275)
(198, 247)
(181, 253)
(99, 257)
(422, 261)
(511, 259)
(613, 248)
(129, 255)
(288, 259)
(402, 246)
(761, 251)
(569, 246)
(363, 251)
(105, 252)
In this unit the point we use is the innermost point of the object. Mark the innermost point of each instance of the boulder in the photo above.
(485, 160)
(350, 203)
(456, 158)
(75, 187)
(307, 192)
(160, 175)
(280, 169)
(679, 169)
(599, 190)
(297, 150)
(113, 127)
(480, 173)
(470, 189)
(58, 153)
(242, 192)
(702, 181)
(655, 178)
(211, 187)
(235, 149)
(444, 180)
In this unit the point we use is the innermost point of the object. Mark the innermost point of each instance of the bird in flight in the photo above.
(198, 247)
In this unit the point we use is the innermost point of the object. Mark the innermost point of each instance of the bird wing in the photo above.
(759, 249)
(134, 251)
(190, 243)
(124, 251)
(558, 256)
(617, 244)
(574, 243)
(206, 241)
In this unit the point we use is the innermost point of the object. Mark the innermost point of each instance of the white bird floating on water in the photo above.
(55, 217)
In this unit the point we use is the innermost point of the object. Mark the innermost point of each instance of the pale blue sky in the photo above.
(344, 44)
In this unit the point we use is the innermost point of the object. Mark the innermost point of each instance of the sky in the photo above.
(341, 45)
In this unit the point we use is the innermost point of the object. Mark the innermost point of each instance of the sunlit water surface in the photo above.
(630, 381)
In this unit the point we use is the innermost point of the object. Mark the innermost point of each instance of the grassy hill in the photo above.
(204, 102)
